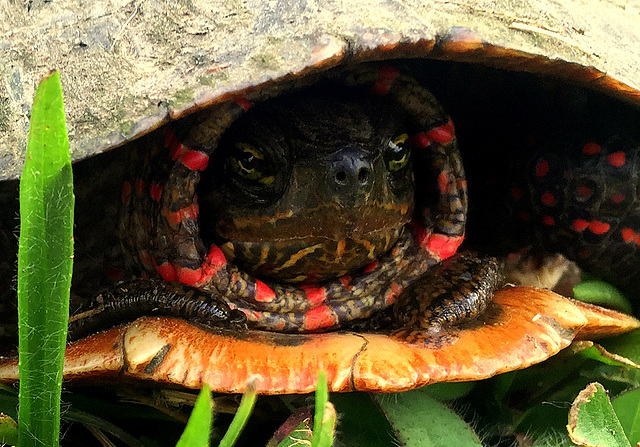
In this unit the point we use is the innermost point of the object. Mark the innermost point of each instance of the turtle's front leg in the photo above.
(456, 291)
(127, 301)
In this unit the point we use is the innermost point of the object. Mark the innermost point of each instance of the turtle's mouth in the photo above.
(310, 259)
(281, 307)
(316, 244)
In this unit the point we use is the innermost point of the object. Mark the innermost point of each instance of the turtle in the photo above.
(388, 358)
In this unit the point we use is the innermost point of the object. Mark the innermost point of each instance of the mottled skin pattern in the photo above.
(592, 216)
(161, 224)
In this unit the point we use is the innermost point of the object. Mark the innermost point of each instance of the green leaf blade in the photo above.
(592, 421)
(198, 429)
(421, 421)
(45, 258)
(240, 419)
(627, 408)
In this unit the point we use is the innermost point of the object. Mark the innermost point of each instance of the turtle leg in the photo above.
(127, 301)
(456, 291)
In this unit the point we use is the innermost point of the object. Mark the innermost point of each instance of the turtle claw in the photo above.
(127, 301)
(454, 293)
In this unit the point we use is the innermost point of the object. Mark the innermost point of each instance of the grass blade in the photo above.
(241, 417)
(324, 419)
(198, 429)
(45, 257)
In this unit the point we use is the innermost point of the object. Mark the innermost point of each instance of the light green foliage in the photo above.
(592, 421)
(627, 408)
(198, 429)
(241, 417)
(420, 421)
(602, 294)
(44, 266)
(8, 430)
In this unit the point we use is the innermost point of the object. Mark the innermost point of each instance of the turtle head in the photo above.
(311, 185)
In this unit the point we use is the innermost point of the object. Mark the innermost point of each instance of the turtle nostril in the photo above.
(341, 177)
(363, 176)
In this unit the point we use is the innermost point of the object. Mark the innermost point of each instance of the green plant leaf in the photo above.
(324, 419)
(627, 408)
(45, 257)
(420, 421)
(592, 421)
(8, 430)
(198, 429)
(626, 345)
(602, 294)
(241, 417)
(600, 354)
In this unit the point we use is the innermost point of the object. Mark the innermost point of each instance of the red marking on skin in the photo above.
(420, 140)
(346, 281)
(584, 254)
(618, 198)
(371, 267)
(548, 199)
(167, 271)
(584, 191)
(191, 159)
(213, 262)
(392, 294)
(385, 79)
(188, 212)
(548, 221)
(442, 246)
(189, 276)
(617, 159)
(264, 293)
(442, 134)
(524, 216)
(155, 191)
(462, 184)
(139, 186)
(315, 295)
(597, 227)
(542, 168)
(580, 225)
(443, 182)
(516, 193)
(630, 236)
(319, 318)
(243, 102)
(195, 160)
(591, 148)
(125, 197)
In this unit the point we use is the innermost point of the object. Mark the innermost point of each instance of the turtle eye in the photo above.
(396, 156)
(250, 163)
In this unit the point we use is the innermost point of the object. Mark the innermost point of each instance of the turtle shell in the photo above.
(265, 50)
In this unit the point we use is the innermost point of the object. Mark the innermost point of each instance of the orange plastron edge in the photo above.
(521, 327)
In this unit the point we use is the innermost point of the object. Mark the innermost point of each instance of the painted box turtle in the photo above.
(306, 214)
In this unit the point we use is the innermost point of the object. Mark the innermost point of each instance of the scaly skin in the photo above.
(160, 221)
